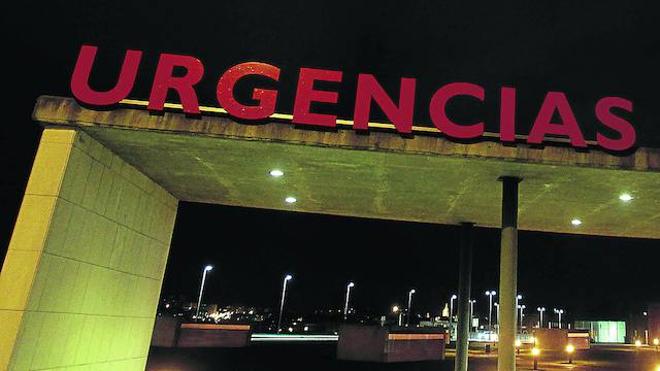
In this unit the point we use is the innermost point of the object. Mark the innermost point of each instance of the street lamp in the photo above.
(471, 301)
(348, 295)
(490, 295)
(535, 353)
(207, 269)
(397, 310)
(570, 349)
(656, 342)
(410, 294)
(287, 278)
(522, 315)
(451, 307)
(541, 310)
(518, 299)
(559, 312)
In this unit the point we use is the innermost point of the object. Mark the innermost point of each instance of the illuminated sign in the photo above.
(620, 135)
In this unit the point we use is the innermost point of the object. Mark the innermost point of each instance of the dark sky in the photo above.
(589, 49)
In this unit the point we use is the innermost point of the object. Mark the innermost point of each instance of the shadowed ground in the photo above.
(321, 357)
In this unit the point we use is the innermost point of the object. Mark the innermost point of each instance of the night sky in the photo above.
(588, 49)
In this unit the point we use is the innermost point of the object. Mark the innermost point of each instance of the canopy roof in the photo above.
(425, 178)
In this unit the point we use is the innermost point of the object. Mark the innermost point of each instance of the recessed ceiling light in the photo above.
(276, 173)
(625, 197)
(576, 222)
(290, 200)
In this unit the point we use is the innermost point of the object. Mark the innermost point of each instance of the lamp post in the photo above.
(451, 308)
(471, 312)
(207, 269)
(536, 352)
(410, 294)
(348, 295)
(559, 312)
(396, 310)
(497, 313)
(287, 278)
(540, 310)
(451, 314)
(490, 295)
(570, 349)
(522, 315)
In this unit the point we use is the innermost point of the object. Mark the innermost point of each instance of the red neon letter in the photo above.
(508, 115)
(266, 98)
(438, 112)
(80, 79)
(368, 89)
(626, 131)
(164, 81)
(305, 95)
(555, 100)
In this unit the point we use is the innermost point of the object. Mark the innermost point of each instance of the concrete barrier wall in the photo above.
(380, 344)
(192, 335)
(170, 332)
(551, 338)
(361, 343)
(83, 272)
(166, 332)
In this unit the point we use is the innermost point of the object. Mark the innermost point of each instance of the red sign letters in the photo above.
(368, 91)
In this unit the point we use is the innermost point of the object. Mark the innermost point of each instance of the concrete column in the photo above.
(506, 359)
(464, 287)
(82, 276)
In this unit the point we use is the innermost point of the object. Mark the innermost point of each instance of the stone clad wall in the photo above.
(82, 276)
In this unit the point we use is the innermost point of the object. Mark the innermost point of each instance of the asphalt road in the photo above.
(321, 357)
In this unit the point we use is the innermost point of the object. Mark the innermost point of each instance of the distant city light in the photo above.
(656, 341)
(290, 200)
(638, 343)
(536, 352)
(395, 308)
(276, 173)
(576, 222)
(570, 348)
(625, 197)
(518, 343)
(290, 329)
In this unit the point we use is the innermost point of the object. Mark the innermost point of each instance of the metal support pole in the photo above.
(506, 358)
(464, 286)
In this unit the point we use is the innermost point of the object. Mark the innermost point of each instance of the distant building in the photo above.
(604, 331)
